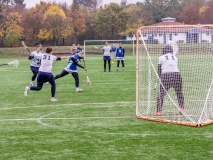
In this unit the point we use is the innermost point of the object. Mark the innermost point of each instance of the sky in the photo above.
(32, 3)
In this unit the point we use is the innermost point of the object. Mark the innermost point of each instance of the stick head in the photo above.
(24, 44)
(88, 81)
(14, 63)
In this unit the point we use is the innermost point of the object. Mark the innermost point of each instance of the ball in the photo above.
(112, 62)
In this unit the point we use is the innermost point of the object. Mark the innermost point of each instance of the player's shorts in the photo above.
(69, 70)
(34, 69)
(106, 58)
(44, 77)
(113, 54)
(120, 58)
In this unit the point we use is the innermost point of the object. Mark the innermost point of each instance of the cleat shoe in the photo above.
(79, 90)
(158, 114)
(26, 91)
(31, 84)
(123, 69)
(54, 99)
(181, 111)
(117, 69)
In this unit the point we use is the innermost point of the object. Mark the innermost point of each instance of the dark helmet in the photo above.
(167, 49)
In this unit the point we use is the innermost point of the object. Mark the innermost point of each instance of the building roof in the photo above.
(169, 21)
(167, 24)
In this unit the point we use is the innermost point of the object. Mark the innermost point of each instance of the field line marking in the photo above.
(39, 120)
(74, 104)
(34, 119)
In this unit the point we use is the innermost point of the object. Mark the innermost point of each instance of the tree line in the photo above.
(55, 23)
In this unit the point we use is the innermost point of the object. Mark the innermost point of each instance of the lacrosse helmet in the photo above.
(167, 49)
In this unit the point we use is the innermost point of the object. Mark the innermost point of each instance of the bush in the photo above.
(11, 41)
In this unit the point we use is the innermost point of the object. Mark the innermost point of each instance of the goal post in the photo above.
(94, 47)
(174, 77)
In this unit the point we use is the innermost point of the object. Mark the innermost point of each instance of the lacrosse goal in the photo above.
(195, 63)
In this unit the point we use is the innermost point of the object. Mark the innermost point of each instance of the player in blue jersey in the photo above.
(120, 56)
(72, 68)
(79, 50)
(45, 74)
(35, 61)
(113, 48)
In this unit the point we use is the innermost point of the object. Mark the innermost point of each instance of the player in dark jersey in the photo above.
(120, 56)
(170, 77)
(72, 68)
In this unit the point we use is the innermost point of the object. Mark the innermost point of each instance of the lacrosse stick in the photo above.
(174, 47)
(13, 63)
(88, 81)
(25, 46)
(98, 48)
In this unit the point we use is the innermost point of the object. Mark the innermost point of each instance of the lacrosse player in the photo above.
(120, 56)
(106, 57)
(72, 68)
(79, 50)
(35, 61)
(170, 77)
(113, 51)
(45, 73)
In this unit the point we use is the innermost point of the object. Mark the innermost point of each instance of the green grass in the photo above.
(97, 124)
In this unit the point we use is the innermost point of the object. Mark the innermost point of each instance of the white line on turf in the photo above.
(74, 104)
(39, 120)
(35, 119)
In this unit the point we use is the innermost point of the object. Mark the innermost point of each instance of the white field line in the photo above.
(39, 120)
(35, 119)
(74, 104)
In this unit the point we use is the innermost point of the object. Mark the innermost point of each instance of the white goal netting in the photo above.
(175, 74)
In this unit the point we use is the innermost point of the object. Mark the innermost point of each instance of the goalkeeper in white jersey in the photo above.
(71, 68)
(170, 77)
(106, 56)
(45, 74)
(35, 61)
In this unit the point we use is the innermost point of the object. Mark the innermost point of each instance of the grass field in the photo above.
(97, 124)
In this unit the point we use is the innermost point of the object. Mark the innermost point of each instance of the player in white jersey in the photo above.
(35, 61)
(106, 56)
(170, 77)
(45, 73)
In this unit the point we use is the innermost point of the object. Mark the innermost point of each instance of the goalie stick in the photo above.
(25, 46)
(88, 81)
(12, 63)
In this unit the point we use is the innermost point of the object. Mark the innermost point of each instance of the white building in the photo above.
(175, 31)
